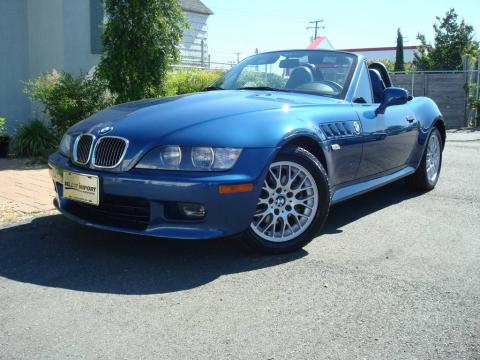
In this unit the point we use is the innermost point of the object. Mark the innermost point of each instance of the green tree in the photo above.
(140, 41)
(453, 39)
(399, 62)
(421, 59)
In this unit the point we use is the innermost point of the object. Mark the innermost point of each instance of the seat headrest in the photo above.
(378, 86)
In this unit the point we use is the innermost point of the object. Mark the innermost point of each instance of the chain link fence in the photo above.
(207, 64)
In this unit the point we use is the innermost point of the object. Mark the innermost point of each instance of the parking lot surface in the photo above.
(395, 275)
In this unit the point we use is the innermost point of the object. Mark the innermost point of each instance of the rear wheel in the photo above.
(293, 204)
(426, 176)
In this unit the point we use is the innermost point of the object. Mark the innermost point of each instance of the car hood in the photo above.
(155, 119)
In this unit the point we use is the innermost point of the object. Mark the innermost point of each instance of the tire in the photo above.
(426, 177)
(293, 204)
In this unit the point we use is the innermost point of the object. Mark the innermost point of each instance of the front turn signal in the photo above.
(229, 189)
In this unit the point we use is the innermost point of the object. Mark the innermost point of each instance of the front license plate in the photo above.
(79, 187)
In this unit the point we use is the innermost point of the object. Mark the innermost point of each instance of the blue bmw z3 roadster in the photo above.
(263, 152)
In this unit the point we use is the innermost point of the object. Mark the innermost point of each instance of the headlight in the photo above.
(171, 157)
(174, 157)
(65, 144)
(202, 157)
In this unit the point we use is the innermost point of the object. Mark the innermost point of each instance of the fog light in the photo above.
(195, 211)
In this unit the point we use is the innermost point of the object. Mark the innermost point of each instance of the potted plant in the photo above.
(4, 138)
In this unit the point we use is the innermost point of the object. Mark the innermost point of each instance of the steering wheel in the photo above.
(333, 84)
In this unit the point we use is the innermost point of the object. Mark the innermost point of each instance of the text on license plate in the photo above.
(79, 187)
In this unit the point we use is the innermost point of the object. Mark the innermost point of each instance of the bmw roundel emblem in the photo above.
(356, 127)
(105, 130)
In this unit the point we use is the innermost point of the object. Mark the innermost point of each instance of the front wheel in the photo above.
(293, 203)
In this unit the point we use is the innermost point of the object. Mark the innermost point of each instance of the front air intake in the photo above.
(109, 151)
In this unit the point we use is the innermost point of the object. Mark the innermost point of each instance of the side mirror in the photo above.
(392, 96)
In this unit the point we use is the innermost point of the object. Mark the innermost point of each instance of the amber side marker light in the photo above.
(229, 189)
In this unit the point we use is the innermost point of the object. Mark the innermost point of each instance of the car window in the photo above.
(326, 73)
(363, 93)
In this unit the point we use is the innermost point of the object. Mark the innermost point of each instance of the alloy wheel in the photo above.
(288, 202)
(433, 158)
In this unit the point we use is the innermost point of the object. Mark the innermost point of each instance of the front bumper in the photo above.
(144, 195)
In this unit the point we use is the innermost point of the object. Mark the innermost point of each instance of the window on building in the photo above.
(97, 17)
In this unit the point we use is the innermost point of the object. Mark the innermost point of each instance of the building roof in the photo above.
(195, 6)
(386, 48)
(321, 42)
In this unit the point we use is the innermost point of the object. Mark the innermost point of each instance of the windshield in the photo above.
(326, 73)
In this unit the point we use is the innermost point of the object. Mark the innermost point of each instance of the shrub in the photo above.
(257, 78)
(474, 104)
(34, 139)
(189, 80)
(68, 98)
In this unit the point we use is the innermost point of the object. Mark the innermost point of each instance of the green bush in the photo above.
(189, 80)
(474, 104)
(3, 127)
(34, 140)
(257, 78)
(68, 98)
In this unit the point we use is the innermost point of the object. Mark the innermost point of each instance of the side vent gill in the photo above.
(339, 129)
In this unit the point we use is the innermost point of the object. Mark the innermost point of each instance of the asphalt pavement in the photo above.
(395, 275)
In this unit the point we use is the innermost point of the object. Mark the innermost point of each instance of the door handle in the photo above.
(410, 118)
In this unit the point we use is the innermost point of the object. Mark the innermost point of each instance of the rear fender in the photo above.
(428, 115)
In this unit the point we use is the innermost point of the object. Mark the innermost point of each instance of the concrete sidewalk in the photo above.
(25, 190)
(463, 135)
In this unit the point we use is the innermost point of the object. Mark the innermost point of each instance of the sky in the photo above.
(243, 25)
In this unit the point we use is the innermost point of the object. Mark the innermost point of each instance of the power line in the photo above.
(255, 14)
(316, 27)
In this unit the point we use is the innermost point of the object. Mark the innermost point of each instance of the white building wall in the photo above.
(78, 56)
(14, 63)
(387, 54)
(191, 46)
(45, 36)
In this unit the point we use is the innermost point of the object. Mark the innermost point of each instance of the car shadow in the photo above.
(351, 210)
(52, 251)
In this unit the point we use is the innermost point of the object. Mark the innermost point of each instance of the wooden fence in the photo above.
(447, 89)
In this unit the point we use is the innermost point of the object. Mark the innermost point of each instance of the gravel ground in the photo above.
(396, 275)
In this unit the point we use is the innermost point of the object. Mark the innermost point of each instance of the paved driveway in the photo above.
(396, 275)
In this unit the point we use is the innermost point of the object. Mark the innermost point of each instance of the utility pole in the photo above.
(238, 57)
(316, 27)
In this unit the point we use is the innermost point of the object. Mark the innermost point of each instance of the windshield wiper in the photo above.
(211, 88)
(268, 88)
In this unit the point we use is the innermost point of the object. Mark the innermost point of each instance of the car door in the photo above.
(389, 138)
